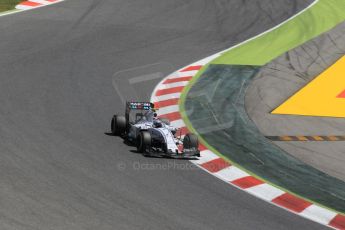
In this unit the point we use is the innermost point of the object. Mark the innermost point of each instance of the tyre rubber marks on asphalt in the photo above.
(324, 96)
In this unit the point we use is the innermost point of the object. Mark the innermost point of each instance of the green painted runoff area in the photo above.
(321, 17)
(6, 5)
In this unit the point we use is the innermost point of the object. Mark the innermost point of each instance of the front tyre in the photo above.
(118, 125)
(190, 141)
(144, 142)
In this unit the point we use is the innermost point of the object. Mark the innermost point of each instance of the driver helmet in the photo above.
(157, 123)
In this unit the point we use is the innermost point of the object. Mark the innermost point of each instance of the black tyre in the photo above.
(165, 120)
(190, 141)
(118, 125)
(144, 142)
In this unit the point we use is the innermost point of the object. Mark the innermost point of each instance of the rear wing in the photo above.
(131, 105)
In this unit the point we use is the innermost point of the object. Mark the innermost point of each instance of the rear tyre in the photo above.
(118, 125)
(144, 142)
(190, 141)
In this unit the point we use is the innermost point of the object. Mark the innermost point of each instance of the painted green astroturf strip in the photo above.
(8, 4)
(321, 17)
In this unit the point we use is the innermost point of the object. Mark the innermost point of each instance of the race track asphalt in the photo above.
(58, 168)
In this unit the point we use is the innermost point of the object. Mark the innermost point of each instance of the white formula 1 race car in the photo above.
(153, 136)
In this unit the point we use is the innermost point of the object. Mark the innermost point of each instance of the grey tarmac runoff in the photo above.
(58, 168)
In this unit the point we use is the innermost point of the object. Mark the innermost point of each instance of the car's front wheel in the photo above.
(144, 142)
(190, 141)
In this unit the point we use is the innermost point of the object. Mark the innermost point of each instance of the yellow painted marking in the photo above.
(320, 96)
(333, 138)
(318, 138)
(302, 138)
(285, 138)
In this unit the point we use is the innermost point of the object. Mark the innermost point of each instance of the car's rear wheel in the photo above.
(118, 125)
(190, 141)
(144, 142)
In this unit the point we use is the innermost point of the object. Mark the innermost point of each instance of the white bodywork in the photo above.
(159, 131)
